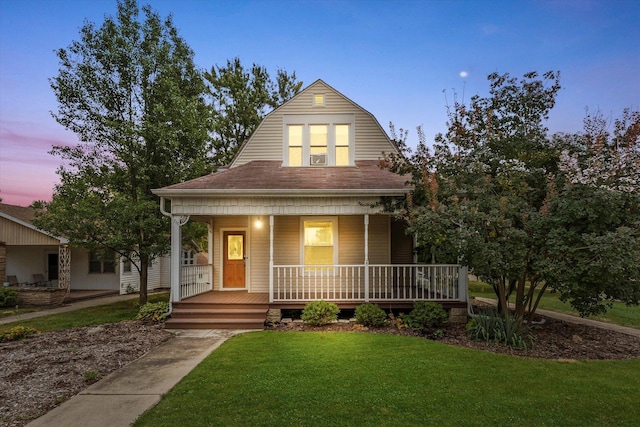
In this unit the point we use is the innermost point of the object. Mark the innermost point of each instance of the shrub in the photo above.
(500, 328)
(154, 311)
(17, 333)
(320, 313)
(370, 315)
(425, 315)
(8, 297)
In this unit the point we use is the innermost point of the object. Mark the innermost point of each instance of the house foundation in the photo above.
(458, 315)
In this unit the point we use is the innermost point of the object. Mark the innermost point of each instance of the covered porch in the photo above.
(281, 252)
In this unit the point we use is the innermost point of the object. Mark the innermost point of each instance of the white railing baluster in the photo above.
(398, 282)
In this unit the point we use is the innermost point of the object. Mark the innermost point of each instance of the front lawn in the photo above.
(620, 314)
(89, 316)
(350, 379)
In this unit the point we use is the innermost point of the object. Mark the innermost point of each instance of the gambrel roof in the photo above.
(259, 167)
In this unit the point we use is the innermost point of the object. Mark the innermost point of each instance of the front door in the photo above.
(52, 266)
(234, 260)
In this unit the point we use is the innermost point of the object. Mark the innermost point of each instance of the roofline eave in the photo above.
(175, 193)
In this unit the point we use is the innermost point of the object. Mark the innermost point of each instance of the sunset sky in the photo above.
(400, 60)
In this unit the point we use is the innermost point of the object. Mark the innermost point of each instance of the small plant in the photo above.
(8, 297)
(425, 315)
(320, 313)
(500, 328)
(17, 333)
(154, 312)
(91, 376)
(370, 315)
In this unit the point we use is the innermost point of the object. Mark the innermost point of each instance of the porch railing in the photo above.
(393, 282)
(195, 280)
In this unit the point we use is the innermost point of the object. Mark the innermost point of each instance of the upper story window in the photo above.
(319, 140)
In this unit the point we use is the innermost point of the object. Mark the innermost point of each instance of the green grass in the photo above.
(348, 379)
(89, 316)
(619, 314)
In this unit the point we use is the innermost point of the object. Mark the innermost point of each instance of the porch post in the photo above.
(463, 282)
(64, 267)
(270, 258)
(415, 245)
(177, 221)
(366, 258)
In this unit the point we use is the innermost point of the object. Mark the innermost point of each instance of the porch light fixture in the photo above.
(258, 222)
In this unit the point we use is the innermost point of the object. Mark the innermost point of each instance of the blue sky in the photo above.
(394, 58)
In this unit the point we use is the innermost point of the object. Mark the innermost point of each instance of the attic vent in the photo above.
(318, 99)
(318, 160)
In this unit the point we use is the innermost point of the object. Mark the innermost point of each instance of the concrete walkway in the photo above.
(120, 398)
(578, 320)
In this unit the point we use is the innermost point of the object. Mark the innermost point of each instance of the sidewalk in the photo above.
(578, 320)
(120, 398)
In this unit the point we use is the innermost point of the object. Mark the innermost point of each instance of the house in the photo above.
(295, 218)
(27, 250)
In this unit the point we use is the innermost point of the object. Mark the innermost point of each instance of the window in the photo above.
(319, 140)
(106, 264)
(318, 145)
(342, 145)
(295, 145)
(188, 257)
(319, 241)
(126, 266)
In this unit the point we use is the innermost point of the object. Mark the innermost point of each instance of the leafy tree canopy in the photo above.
(496, 193)
(240, 99)
(129, 89)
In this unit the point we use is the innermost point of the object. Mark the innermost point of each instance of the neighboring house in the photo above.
(27, 250)
(295, 218)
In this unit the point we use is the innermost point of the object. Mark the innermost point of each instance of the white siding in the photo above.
(267, 141)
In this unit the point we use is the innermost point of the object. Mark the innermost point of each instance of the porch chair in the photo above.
(39, 280)
(13, 281)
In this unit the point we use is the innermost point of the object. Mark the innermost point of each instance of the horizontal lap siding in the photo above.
(379, 247)
(286, 240)
(351, 240)
(259, 256)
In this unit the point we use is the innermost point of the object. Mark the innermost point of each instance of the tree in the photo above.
(593, 237)
(496, 194)
(239, 101)
(130, 91)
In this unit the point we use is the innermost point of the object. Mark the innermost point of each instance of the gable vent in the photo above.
(318, 160)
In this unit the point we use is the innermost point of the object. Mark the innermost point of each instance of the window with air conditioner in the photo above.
(319, 140)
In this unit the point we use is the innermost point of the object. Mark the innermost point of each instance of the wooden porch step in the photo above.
(220, 313)
(217, 315)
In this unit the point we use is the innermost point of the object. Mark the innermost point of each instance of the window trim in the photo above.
(331, 121)
(334, 221)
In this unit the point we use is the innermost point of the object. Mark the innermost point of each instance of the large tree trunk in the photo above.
(144, 276)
